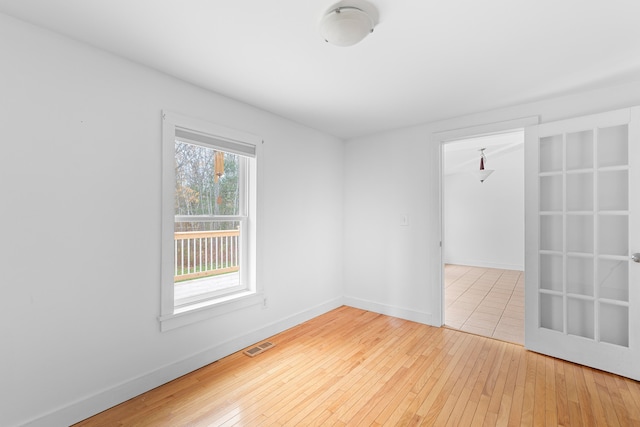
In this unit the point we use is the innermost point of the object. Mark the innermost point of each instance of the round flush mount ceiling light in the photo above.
(346, 25)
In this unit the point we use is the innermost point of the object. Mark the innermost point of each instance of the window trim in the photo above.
(172, 316)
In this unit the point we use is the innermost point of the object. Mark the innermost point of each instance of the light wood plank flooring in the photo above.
(485, 301)
(353, 367)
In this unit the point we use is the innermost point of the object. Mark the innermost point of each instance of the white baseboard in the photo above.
(390, 310)
(100, 401)
(485, 264)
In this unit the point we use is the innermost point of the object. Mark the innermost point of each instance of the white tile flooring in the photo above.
(485, 301)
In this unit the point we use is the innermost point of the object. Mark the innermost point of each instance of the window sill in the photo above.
(207, 309)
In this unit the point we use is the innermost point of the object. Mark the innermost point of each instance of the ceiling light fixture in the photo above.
(346, 25)
(483, 173)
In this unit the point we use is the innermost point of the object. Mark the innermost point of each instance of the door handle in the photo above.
(635, 257)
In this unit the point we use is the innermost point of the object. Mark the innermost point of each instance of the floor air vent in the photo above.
(260, 348)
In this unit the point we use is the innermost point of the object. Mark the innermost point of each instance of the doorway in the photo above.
(483, 235)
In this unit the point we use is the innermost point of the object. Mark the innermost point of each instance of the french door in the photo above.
(582, 226)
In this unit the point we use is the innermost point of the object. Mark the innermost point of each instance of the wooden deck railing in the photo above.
(205, 253)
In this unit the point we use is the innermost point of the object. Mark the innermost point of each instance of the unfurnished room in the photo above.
(292, 213)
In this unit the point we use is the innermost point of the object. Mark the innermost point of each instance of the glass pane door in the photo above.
(583, 291)
(584, 234)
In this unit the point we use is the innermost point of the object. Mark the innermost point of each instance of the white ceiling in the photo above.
(425, 61)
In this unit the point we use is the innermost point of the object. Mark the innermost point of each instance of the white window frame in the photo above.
(206, 134)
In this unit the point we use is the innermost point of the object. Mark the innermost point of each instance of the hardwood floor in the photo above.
(353, 367)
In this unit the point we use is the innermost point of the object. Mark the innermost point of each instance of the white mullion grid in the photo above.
(596, 250)
(208, 218)
(564, 235)
(538, 285)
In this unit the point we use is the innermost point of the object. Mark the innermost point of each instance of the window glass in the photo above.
(206, 181)
(207, 253)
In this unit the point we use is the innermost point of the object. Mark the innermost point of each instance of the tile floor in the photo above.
(485, 301)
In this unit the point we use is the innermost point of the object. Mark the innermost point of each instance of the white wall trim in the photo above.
(390, 310)
(105, 399)
(489, 128)
(484, 264)
(437, 140)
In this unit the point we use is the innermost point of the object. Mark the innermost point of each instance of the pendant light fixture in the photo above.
(346, 25)
(483, 173)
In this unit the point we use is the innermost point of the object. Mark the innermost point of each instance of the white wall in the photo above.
(484, 222)
(80, 172)
(386, 178)
(397, 270)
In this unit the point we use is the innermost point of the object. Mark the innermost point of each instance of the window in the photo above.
(208, 220)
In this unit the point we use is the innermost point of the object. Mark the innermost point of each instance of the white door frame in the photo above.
(437, 141)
